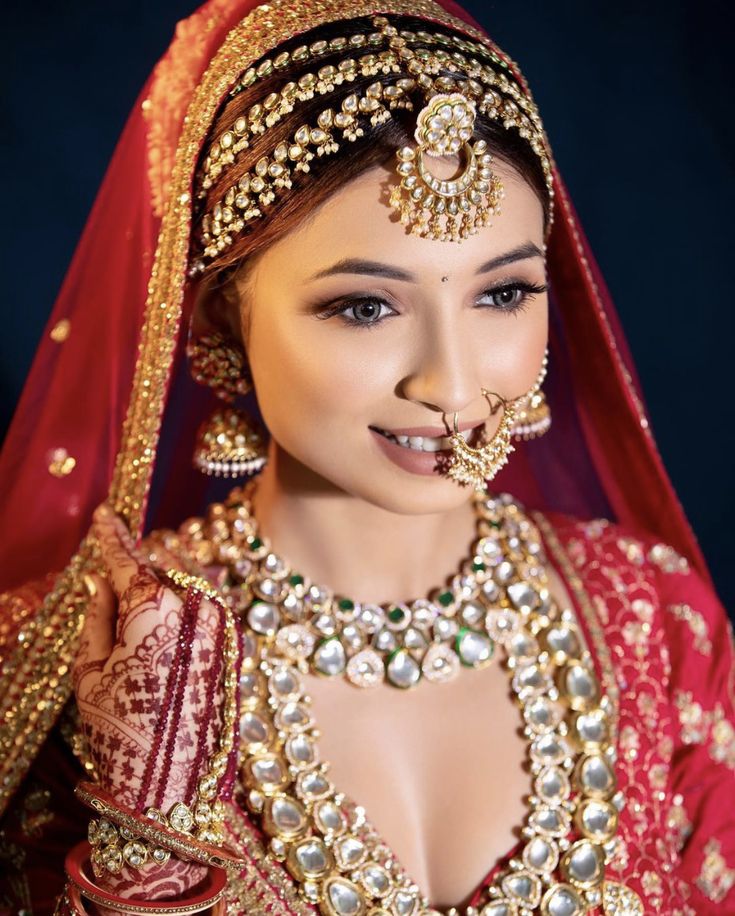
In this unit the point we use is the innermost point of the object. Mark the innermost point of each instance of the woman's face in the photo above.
(355, 329)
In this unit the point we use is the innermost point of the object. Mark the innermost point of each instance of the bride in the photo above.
(450, 644)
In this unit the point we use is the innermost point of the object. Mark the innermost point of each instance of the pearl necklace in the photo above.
(326, 844)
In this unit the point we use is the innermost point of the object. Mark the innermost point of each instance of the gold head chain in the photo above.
(405, 64)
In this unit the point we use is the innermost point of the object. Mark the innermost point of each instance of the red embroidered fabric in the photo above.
(660, 639)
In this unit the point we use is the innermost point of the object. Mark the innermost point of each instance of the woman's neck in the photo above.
(353, 547)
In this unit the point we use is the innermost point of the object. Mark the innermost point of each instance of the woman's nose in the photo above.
(445, 376)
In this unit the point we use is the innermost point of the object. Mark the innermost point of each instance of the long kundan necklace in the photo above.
(499, 597)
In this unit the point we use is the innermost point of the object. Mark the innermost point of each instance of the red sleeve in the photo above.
(702, 691)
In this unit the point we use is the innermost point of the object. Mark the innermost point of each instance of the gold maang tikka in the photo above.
(470, 466)
(229, 443)
(448, 79)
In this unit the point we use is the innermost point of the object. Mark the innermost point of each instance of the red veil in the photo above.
(109, 410)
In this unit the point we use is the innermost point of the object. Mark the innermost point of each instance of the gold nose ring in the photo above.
(475, 466)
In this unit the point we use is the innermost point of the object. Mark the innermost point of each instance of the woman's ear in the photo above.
(217, 309)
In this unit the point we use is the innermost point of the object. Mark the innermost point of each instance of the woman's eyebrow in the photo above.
(390, 272)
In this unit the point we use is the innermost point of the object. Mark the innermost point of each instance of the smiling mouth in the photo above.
(428, 443)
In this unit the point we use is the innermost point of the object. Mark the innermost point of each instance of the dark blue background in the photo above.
(637, 100)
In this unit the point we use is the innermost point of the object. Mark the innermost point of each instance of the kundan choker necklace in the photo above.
(433, 638)
(324, 840)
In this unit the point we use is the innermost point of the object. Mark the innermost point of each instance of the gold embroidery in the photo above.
(174, 78)
(697, 624)
(626, 600)
(712, 728)
(60, 331)
(653, 887)
(39, 671)
(715, 879)
(595, 528)
(678, 822)
(35, 812)
(263, 886)
(61, 463)
(667, 559)
(629, 742)
(633, 550)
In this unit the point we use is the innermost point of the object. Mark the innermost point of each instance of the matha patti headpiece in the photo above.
(454, 78)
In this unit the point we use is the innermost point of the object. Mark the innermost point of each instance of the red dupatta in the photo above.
(108, 409)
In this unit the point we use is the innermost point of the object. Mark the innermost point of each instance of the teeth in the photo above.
(424, 443)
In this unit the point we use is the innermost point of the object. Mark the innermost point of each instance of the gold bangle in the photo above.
(155, 828)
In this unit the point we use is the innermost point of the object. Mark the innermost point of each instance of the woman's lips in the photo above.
(416, 460)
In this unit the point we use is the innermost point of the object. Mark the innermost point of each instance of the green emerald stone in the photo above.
(256, 544)
(396, 615)
(296, 580)
(445, 599)
(478, 567)
(346, 605)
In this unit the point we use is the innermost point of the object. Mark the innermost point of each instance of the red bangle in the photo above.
(77, 867)
(73, 905)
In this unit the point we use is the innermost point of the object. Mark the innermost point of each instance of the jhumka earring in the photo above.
(229, 443)
(533, 414)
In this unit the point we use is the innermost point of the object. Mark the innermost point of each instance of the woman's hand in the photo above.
(150, 741)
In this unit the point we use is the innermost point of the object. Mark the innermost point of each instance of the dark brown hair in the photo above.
(331, 172)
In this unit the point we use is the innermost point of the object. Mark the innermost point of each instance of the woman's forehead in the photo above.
(357, 223)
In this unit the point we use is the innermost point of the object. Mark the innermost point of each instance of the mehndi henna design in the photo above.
(150, 734)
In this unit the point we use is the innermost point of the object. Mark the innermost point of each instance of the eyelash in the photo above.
(340, 308)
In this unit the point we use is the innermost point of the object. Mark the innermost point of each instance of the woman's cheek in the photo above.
(304, 391)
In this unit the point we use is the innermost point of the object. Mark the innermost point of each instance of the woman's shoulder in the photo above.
(602, 539)
(640, 588)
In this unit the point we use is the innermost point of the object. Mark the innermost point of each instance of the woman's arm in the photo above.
(702, 692)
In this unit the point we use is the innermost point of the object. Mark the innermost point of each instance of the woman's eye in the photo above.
(366, 311)
(511, 298)
(506, 297)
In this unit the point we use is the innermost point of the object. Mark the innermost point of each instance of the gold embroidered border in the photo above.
(601, 649)
(249, 891)
(36, 678)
